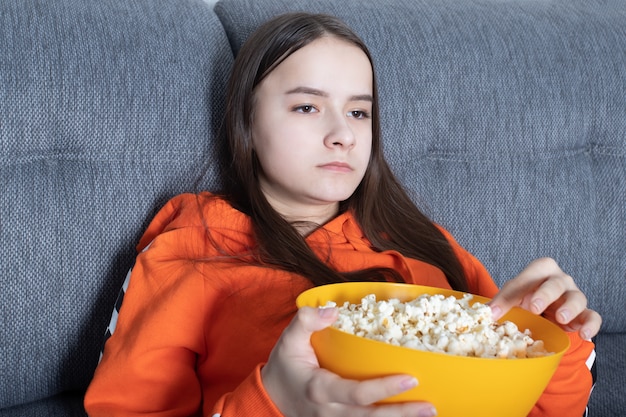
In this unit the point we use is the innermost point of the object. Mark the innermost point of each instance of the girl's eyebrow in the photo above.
(320, 93)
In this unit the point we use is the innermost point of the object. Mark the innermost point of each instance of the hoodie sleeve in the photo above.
(149, 365)
(248, 399)
(568, 391)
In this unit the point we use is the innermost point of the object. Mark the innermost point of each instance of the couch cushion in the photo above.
(107, 109)
(505, 121)
(70, 405)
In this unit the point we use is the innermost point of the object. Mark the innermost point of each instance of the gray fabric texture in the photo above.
(57, 406)
(506, 122)
(107, 109)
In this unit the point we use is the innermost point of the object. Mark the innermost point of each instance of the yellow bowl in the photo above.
(457, 386)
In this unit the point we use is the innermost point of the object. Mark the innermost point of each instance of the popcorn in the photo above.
(436, 323)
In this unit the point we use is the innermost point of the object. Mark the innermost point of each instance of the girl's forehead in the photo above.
(329, 60)
(328, 48)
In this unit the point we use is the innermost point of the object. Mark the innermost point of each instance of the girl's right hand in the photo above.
(300, 388)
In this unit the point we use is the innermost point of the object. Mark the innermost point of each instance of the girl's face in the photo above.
(312, 129)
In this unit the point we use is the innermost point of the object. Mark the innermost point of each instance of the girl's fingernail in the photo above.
(325, 312)
(564, 315)
(537, 306)
(408, 383)
(428, 412)
(496, 312)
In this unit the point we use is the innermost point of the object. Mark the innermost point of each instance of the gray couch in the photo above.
(505, 119)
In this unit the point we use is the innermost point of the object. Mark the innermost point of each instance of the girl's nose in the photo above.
(339, 131)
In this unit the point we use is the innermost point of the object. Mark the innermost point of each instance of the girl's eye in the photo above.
(305, 108)
(359, 114)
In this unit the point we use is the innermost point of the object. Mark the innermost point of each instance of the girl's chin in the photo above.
(335, 198)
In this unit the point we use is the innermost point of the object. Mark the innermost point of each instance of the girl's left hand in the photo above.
(543, 288)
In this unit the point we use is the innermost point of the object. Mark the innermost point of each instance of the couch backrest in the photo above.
(507, 122)
(107, 109)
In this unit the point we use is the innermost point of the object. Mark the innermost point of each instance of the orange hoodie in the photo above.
(196, 325)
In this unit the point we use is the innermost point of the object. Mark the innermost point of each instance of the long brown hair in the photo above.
(386, 214)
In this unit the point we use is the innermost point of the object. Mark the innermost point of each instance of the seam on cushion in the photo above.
(607, 150)
(167, 156)
(458, 156)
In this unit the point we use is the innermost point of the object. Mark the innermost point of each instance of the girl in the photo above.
(209, 325)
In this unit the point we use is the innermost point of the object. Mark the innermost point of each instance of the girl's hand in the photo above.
(300, 388)
(543, 288)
